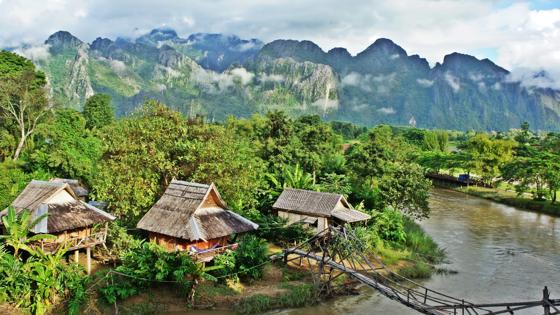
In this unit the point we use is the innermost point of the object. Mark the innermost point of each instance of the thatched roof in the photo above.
(78, 188)
(319, 204)
(63, 208)
(193, 211)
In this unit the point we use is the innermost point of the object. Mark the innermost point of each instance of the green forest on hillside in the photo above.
(128, 162)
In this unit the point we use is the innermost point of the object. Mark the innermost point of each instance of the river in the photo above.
(500, 253)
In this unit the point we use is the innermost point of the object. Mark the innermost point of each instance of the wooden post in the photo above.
(546, 301)
(88, 255)
(77, 256)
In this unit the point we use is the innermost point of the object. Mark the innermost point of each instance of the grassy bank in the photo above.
(511, 199)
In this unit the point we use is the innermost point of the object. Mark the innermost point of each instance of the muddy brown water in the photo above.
(501, 254)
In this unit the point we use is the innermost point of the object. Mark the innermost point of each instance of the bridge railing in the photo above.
(339, 249)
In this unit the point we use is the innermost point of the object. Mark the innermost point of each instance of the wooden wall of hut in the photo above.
(171, 243)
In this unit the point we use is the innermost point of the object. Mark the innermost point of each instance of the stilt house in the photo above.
(193, 217)
(68, 218)
(317, 210)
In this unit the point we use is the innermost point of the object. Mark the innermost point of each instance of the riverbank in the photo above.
(510, 198)
(282, 286)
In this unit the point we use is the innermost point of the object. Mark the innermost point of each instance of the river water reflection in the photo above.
(499, 252)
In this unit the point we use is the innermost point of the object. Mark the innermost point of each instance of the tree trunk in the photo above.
(20, 146)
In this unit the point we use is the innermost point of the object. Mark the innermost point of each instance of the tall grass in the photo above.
(420, 244)
(296, 296)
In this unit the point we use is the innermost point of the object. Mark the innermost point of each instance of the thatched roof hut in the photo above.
(80, 190)
(61, 204)
(193, 212)
(301, 205)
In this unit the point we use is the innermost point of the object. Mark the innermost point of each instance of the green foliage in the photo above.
(250, 257)
(148, 263)
(485, 156)
(13, 180)
(30, 279)
(18, 226)
(98, 111)
(405, 188)
(254, 304)
(276, 229)
(146, 151)
(64, 147)
(296, 296)
(389, 225)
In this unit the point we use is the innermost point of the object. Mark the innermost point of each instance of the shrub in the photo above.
(251, 255)
(275, 229)
(152, 263)
(389, 225)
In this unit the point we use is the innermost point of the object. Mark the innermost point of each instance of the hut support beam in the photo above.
(77, 256)
(88, 255)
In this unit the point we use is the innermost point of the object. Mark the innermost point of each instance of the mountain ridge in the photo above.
(217, 75)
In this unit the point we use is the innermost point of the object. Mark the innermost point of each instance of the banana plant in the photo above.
(18, 226)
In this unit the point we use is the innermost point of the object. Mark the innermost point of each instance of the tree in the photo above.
(65, 148)
(405, 188)
(23, 101)
(538, 169)
(485, 156)
(98, 111)
(383, 174)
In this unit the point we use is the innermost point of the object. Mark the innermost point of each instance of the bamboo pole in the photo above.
(88, 255)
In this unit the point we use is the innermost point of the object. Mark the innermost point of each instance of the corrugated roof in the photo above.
(318, 204)
(179, 213)
(60, 216)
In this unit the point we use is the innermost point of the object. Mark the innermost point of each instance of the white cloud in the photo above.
(531, 79)
(352, 79)
(271, 77)
(118, 66)
(511, 32)
(245, 76)
(35, 53)
(453, 82)
(387, 110)
(425, 82)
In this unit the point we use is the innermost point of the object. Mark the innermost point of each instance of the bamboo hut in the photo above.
(315, 209)
(68, 218)
(193, 217)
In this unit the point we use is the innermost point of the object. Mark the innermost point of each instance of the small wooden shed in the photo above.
(316, 209)
(193, 217)
(68, 218)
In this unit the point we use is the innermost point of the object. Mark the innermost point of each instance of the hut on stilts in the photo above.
(68, 218)
(316, 209)
(194, 218)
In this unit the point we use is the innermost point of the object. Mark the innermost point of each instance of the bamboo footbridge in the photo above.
(337, 251)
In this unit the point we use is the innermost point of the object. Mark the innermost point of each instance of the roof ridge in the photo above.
(314, 191)
(186, 183)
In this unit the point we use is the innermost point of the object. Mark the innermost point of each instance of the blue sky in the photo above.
(519, 35)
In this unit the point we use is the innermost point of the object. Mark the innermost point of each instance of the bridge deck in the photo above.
(404, 291)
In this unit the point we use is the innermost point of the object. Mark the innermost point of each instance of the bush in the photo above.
(148, 263)
(32, 280)
(275, 229)
(389, 225)
(250, 256)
